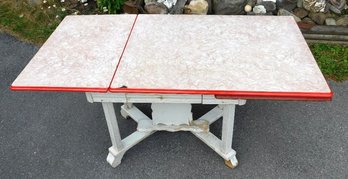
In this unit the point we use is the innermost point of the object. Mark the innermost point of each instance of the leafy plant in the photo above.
(110, 6)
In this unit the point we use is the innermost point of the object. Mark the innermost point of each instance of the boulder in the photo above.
(229, 7)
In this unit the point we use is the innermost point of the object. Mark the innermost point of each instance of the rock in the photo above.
(249, 5)
(333, 9)
(342, 21)
(178, 7)
(338, 4)
(156, 8)
(288, 5)
(308, 20)
(269, 6)
(274, 1)
(300, 12)
(318, 18)
(314, 5)
(260, 1)
(210, 6)
(283, 12)
(133, 7)
(259, 9)
(299, 3)
(330, 21)
(148, 1)
(251, 2)
(305, 26)
(247, 8)
(168, 3)
(197, 7)
(229, 7)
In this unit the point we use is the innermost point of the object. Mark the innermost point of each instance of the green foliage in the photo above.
(110, 6)
(332, 60)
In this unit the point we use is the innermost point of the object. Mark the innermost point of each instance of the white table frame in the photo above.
(170, 112)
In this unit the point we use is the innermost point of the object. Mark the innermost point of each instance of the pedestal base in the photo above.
(171, 113)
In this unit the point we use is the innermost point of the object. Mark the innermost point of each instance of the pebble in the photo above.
(247, 8)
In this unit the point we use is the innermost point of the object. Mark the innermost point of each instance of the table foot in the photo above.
(232, 163)
(114, 158)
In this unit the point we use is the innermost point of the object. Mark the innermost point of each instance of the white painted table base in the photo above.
(170, 113)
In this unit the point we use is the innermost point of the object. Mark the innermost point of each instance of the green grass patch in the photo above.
(332, 60)
(31, 25)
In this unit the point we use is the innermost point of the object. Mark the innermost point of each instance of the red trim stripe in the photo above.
(322, 96)
(64, 89)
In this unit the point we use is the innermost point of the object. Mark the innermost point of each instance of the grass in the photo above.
(332, 60)
(36, 24)
(27, 23)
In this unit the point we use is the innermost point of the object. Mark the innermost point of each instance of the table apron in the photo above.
(159, 98)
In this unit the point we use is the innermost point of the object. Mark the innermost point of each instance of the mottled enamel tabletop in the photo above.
(238, 56)
(80, 55)
(218, 55)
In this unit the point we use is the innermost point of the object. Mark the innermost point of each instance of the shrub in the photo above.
(110, 6)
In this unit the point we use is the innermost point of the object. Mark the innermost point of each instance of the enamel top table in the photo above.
(173, 62)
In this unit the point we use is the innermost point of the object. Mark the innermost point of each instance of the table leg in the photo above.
(227, 134)
(119, 147)
(223, 146)
(115, 152)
